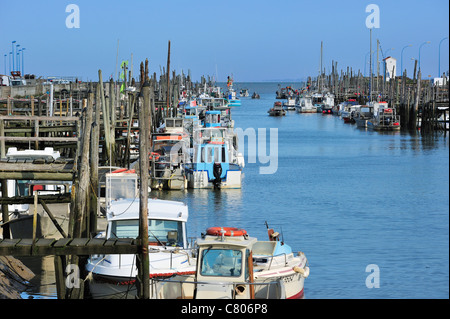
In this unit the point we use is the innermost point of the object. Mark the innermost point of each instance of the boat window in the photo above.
(162, 230)
(168, 232)
(210, 153)
(217, 153)
(221, 262)
(22, 188)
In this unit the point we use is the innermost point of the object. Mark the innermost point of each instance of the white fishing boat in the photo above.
(305, 105)
(277, 110)
(231, 96)
(384, 119)
(233, 265)
(328, 103)
(363, 115)
(114, 276)
(215, 162)
(349, 112)
(289, 104)
(244, 93)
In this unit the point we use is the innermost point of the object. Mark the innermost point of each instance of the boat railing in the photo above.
(273, 287)
(272, 257)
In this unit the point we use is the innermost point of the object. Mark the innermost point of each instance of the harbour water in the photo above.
(349, 198)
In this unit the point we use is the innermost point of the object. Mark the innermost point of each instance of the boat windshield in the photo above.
(221, 262)
(168, 232)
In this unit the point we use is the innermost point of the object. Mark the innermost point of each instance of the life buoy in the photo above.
(120, 170)
(154, 156)
(226, 231)
(124, 170)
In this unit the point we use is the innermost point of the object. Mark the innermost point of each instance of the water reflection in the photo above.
(43, 284)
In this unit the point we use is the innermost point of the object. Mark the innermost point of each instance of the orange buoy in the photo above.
(226, 231)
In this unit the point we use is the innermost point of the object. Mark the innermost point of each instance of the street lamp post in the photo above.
(401, 63)
(18, 56)
(439, 70)
(5, 61)
(12, 49)
(23, 70)
(421, 48)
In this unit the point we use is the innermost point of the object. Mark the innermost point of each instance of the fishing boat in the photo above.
(349, 112)
(344, 106)
(384, 119)
(364, 114)
(317, 100)
(233, 265)
(244, 93)
(328, 103)
(168, 155)
(304, 105)
(114, 276)
(215, 162)
(233, 100)
(255, 95)
(277, 110)
(289, 104)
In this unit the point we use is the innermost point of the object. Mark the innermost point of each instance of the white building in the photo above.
(390, 64)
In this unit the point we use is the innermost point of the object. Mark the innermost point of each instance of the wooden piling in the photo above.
(144, 267)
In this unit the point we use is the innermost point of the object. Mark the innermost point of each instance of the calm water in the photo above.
(346, 197)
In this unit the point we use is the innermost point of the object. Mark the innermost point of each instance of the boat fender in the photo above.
(302, 271)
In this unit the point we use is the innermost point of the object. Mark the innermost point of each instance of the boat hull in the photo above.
(234, 103)
(200, 179)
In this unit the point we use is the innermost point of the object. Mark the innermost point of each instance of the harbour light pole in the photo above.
(439, 70)
(12, 49)
(17, 66)
(23, 70)
(401, 59)
(421, 48)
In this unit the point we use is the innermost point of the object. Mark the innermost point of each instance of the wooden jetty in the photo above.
(91, 125)
(419, 102)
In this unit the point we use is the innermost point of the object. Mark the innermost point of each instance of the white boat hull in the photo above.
(199, 179)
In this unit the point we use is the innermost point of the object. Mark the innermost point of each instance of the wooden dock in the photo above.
(67, 246)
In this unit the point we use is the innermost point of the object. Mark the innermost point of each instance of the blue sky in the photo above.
(253, 40)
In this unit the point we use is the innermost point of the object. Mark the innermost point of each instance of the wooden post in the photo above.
(5, 214)
(168, 81)
(59, 262)
(105, 116)
(35, 215)
(95, 203)
(83, 170)
(143, 270)
(416, 102)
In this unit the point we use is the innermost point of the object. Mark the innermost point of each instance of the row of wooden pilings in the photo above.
(416, 100)
(98, 112)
